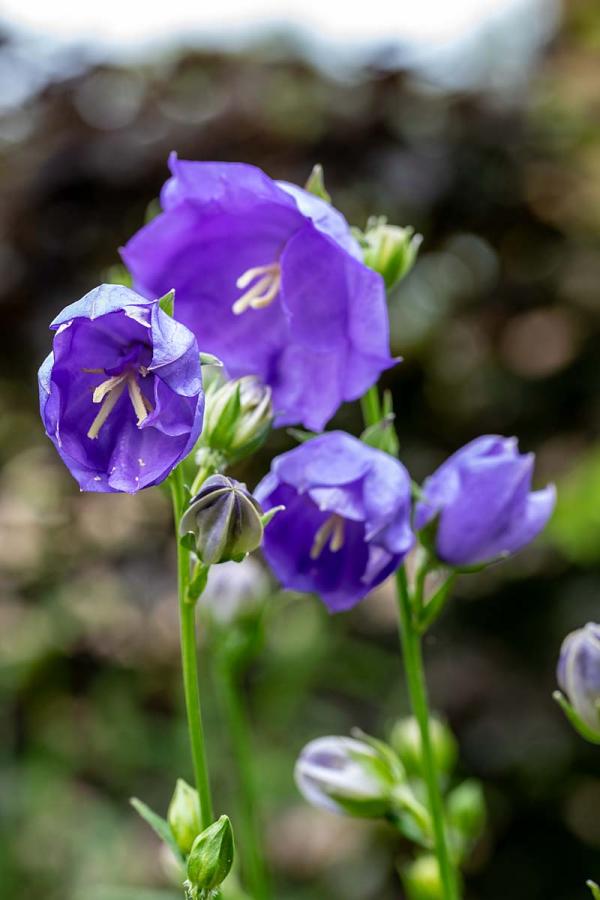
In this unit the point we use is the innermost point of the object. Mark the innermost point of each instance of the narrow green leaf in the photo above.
(575, 719)
(198, 582)
(266, 517)
(167, 303)
(159, 825)
(315, 183)
(208, 359)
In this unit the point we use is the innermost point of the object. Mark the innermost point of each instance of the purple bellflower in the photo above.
(579, 674)
(482, 496)
(346, 522)
(272, 280)
(121, 393)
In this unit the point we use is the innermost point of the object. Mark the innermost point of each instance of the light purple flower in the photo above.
(346, 522)
(121, 393)
(271, 280)
(482, 496)
(579, 673)
(344, 775)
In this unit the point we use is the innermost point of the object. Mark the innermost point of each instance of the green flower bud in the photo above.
(422, 879)
(238, 417)
(466, 809)
(183, 815)
(406, 741)
(594, 889)
(224, 519)
(211, 857)
(390, 250)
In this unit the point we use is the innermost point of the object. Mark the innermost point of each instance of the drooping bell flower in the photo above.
(121, 393)
(346, 522)
(483, 501)
(271, 278)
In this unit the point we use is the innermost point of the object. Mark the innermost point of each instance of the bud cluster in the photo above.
(365, 777)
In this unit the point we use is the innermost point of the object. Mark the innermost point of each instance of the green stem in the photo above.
(189, 659)
(370, 406)
(415, 676)
(249, 824)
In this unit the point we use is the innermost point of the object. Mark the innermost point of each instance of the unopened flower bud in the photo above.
(466, 809)
(237, 418)
(211, 857)
(390, 250)
(225, 520)
(579, 677)
(183, 815)
(422, 879)
(345, 775)
(406, 741)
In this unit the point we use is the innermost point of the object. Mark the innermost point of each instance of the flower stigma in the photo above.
(331, 532)
(108, 393)
(263, 283)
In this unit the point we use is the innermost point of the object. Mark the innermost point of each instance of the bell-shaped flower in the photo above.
(271, 279)
(481, 503)
(346, 522)
(121, 393)
(579, 676)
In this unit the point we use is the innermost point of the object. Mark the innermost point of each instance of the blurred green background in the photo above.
(498, 325)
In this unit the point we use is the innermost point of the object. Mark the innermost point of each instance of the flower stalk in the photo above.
(248, 825)
(189, 659)
(415, 677)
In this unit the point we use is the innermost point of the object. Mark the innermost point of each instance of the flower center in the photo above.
(108, 393)
(263, 283)
(331, 532)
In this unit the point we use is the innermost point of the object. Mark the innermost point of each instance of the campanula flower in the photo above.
(272, 280)
(483, 502)
(345, 775)
(346, 522)
(579, 673)
(121, 393)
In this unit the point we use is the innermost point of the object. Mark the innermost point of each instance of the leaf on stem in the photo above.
(159, 825)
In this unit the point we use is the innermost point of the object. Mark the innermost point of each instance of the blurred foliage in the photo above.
(498, 324)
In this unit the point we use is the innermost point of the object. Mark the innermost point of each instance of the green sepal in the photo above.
(315, 183)
(594, 889)
(575, 719)
(167, 303)
(300, 435)
(209, 359)
(266, 517)
(198, 581)
(434, 605)
(159, 825)
(223, 431)
(188, 541)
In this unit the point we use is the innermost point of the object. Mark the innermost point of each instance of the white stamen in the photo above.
(108, 394)
(263, 292)
(137, 399)
(108, 404)
(331, 532)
